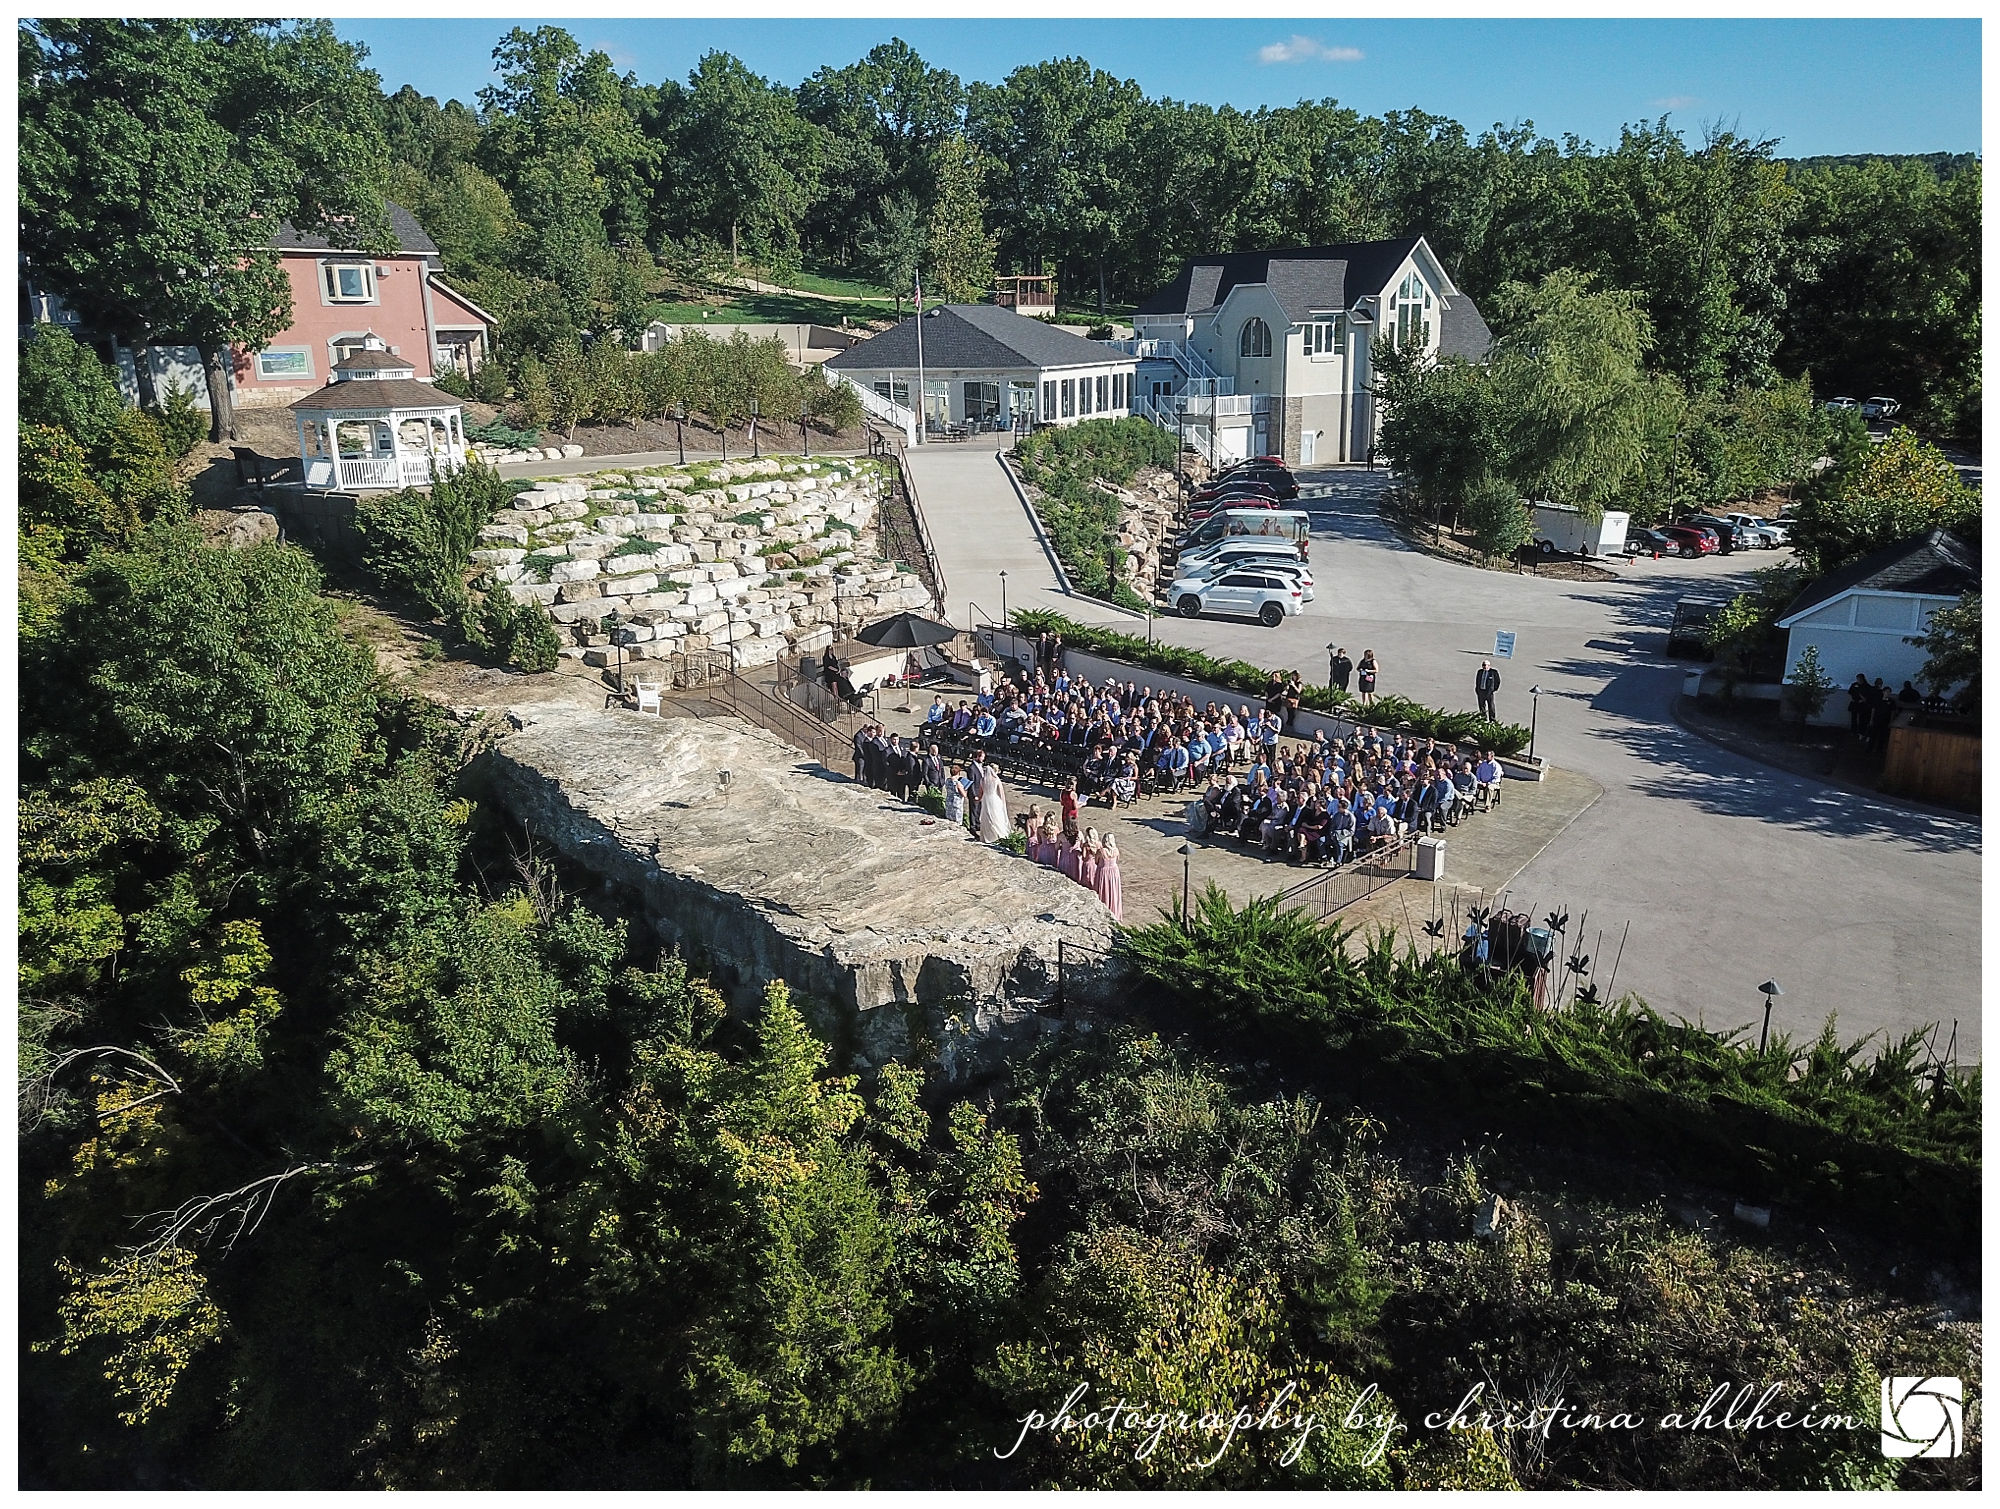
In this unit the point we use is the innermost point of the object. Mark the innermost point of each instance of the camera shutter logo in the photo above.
(1922, 1417)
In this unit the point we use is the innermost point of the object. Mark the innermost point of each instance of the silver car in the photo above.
(1280, 565)
(1767, 534)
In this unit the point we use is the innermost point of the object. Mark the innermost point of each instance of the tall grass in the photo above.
(1856, 1126)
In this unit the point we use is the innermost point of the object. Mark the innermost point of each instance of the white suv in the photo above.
(1770, 533)
(1267, 565)
(1243, 592)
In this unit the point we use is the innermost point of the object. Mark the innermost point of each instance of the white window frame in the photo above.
(329, 283)
(1048, 400)
(1069, 398)
(305, 351)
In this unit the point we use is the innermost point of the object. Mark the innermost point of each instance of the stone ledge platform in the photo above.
(898, 938)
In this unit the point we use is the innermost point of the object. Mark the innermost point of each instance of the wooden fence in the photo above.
(1933, 763)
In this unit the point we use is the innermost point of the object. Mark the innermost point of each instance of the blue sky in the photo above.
(1821, 86)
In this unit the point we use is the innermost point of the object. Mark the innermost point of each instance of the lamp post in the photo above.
(1771, 991)
(756, 411)
(680, 430)
(805, 439)
(1003, 599)
(1186, 852)
(1534, 718)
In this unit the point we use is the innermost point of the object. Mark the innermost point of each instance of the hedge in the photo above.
(1878, 1136)
(1241, 676)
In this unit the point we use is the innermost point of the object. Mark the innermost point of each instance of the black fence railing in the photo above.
(1361, 877)
(707, 677)
(905, 535)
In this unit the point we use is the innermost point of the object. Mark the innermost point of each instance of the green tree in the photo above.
(751, 163)
(1438, 425)
(1886, 493)
(892, 245)
(155, 155)
(65, 386)
(1808, 686)
(1569, 388)
(1951, 643)
(958, 249)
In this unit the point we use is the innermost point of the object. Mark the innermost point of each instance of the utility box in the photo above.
(1691, 684)
(1430, 859)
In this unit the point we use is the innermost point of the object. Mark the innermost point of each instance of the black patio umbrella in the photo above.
(906, 631)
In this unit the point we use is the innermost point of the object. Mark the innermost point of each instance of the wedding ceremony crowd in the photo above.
(1316, 801)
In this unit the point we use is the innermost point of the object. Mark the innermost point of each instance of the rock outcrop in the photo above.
(898, 937)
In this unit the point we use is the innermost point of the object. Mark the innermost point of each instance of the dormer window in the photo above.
(348, 282)
(1410, 312)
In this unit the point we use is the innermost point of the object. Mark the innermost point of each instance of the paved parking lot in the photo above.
(1728, 871)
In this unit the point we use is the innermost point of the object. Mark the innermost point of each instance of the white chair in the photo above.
(649, 697)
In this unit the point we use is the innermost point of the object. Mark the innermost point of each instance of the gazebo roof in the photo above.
(376, 393)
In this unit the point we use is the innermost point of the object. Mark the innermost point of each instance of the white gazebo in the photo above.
(376, 426)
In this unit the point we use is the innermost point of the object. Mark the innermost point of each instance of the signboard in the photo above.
(1503, 644)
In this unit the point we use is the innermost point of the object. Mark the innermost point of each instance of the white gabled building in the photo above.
(1862, 617)
(1268, 350)
(990, 368)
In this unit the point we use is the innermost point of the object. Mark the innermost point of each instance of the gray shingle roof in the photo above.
(1303, 280)
(410, 237)
(1463, 330)
(975, 337)
(1935, 564)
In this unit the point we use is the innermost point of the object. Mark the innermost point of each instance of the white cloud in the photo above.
(1676, 101)
(1297, 49)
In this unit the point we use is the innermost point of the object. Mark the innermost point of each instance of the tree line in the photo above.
(566, 192)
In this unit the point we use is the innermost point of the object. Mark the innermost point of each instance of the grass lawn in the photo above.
(735, 306)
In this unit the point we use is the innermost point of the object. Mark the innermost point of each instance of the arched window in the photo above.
(1256, 339)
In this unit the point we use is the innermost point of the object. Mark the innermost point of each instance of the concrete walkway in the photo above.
(981, 527)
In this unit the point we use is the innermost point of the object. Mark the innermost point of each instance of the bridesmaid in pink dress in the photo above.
(1087, 858)
(1109, 886)
(1034, 833)
(1065, 856)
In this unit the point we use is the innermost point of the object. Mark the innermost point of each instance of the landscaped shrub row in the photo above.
(1879, 1136)
(1082, 519)
(1241, 676)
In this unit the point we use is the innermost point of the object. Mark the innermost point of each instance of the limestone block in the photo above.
(687, 613)
(574, 571)
(567, 509)
(535, 517)
(650, 521)
(686, 533)
(621, 525)
(721, 571)
(687, 576)
(704, 550)
(505, 534)
(730, 633)
(571, 452)
(754, 652)
(644, 581)
(813, 639)
(579, 592)
(535, 592)
(563, 530)
(673, 555)
(673, 629)
(499, 557)
(701, 592)
(631, 633)
(732, 590)
(593, 547)
(738, 614)
(575, 612)
(657, 602)
(709, 623)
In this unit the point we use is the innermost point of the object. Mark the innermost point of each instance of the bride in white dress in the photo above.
(994, 822)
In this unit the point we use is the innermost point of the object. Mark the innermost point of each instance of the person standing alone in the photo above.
(1367, 672)
(1484, 684)
(1342, 668)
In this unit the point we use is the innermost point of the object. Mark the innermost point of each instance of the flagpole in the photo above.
(920, 358)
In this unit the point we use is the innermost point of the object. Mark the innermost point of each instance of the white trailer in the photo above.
(1562, 527)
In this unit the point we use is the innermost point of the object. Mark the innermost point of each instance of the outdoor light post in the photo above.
(756, 412)
(1771, 990)
(1003, 599)
(1186, 852)
(805, 440)
(680, 430)
(1534, 718)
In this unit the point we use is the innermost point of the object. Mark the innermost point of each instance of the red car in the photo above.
(1213, 506)
(1692, 539)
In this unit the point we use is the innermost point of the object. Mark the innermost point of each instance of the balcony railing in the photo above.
(355, 472)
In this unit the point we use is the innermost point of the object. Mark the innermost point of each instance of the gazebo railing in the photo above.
(386, 471)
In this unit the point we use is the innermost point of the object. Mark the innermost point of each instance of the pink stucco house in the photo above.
(340, 299)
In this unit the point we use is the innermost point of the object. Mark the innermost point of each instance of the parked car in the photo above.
(1642, 541)
(1280, 480)
(1836, 405)
(1264, 565)
(1235, 487)
(1726, 534)
(1202, 512)
(1879, 407)
(1770, 533)
(1691, 540)
(1267, 596)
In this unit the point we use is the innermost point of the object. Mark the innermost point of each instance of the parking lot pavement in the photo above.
(1729, 871)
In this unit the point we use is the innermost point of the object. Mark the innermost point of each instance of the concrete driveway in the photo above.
(1728, 871)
